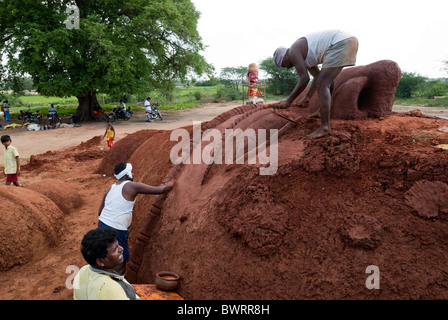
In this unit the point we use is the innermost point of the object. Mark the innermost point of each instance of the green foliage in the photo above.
(229, 93)
(122, 46)
(232, 76)
(434, 88)
(13, 100)
(442, 102)
(282, 81)
(35, 100)
(212, 81)
(409, 84)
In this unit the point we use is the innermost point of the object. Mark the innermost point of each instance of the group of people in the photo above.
(106, 248)
(333, 49)
(109, 134)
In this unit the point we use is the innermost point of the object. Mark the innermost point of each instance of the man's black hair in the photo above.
(5, 138)
(95, 242)
(119, 167)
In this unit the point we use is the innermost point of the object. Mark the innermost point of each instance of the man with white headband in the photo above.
(116, 208)
(334, 49)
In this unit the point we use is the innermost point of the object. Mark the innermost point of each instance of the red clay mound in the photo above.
(429, 199)
(123, 149)
(62, 193)
(30, 223)
(331, 209)
(310, 230)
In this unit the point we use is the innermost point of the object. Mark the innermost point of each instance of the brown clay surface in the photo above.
(335, 206)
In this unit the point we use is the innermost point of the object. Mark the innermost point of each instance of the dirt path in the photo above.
(38, 142)
(46, 278)
(429, 111)
(33, 143)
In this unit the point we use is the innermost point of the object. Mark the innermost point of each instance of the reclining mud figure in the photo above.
(362, 91)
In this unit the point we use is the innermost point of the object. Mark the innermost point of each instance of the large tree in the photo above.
(281, 80)
(233, 75)
(115, 47)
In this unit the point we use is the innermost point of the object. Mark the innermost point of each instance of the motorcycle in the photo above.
(120, 114)
(154, 113)
(53, 118)
(29, 117)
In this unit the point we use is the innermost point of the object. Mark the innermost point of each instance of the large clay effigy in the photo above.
(363, 91)
(335, 206)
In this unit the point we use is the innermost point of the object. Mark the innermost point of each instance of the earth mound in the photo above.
(62, 193)
(31, 223)
(333, 207)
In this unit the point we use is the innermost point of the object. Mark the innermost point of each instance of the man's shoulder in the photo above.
(99, 286)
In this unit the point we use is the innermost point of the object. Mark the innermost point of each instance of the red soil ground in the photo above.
(373, 192)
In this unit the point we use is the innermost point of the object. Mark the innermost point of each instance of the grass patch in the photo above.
(437, 102)
(180, 98)
(42, 101)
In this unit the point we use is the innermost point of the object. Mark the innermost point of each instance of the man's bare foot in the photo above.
(320, 132)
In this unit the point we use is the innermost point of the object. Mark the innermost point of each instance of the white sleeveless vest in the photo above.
(319, 42)
(117, 211)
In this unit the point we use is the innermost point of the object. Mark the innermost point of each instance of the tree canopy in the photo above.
(281, 80)
(118, 46)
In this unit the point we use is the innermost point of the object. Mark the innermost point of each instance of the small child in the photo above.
(12, 162)
(109, 135)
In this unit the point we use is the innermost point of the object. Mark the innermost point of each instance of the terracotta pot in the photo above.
(167, 280)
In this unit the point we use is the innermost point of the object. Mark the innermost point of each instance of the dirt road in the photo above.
(38, 142)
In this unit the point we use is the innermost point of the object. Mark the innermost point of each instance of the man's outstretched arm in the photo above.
(132, 189)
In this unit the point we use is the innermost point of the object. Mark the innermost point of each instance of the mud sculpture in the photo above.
(363, 91)
(231, 233)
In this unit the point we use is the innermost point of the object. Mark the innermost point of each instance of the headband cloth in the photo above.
(126, 171)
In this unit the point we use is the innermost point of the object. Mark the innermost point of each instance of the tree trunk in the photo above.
(85, 107)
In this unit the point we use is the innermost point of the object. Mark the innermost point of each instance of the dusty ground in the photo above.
(65, 159)
(45, 277)
(37, 142)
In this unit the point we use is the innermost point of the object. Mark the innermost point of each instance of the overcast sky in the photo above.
(412, 33)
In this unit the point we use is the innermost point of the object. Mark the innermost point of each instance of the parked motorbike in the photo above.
(120, 114)
(53, 118)
(30, 117)
(154, 113)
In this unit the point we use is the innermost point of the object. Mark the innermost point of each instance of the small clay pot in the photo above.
(167, 280)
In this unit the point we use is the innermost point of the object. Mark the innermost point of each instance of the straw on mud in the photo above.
(299, 120)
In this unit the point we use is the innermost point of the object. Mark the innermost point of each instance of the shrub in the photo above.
(409, 84)
(435, 88)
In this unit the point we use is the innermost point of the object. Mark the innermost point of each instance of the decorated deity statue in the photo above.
(252, 78)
